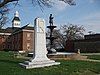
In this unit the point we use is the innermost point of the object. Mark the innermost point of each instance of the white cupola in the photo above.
(16, 20)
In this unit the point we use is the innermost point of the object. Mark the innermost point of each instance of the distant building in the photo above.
(90, 43)
(17, 38)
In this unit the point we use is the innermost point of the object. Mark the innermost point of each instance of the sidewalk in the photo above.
(90, 53)
(91, 60)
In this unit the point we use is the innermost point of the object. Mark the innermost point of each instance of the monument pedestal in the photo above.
(40, 58)
(38, 64)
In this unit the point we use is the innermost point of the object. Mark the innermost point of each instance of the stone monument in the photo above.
(40, 58)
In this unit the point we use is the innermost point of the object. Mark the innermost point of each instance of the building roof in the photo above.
(8, 30)
(24, 27)
(92, 36)
(16, 18)
(5, 30)
(28, 27)
(13, 30)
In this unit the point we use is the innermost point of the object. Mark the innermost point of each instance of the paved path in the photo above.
(90, 53)
(91, 60)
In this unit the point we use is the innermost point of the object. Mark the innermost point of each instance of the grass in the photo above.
(10, 66)
(95, 57)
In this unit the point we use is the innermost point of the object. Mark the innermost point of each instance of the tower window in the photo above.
(28, 36)
(28, 46)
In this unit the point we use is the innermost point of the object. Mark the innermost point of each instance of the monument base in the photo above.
(38, 64)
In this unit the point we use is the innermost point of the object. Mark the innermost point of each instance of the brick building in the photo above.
(17, 38)
(90, 43)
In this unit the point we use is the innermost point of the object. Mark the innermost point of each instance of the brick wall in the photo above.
(3, 41)
(28, 39)
(18, 41)
(92, 46)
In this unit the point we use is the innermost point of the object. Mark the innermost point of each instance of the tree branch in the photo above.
(6, 2)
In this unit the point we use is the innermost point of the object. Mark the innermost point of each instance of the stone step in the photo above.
(38, 65)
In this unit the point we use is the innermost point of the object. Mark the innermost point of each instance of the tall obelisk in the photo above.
(40, 58)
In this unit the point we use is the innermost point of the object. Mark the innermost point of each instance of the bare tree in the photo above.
(68, 32)
(5, 2)
(3, 16)
(40, 2)
(72, 31)
(59, 39)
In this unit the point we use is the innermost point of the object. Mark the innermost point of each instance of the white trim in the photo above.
(23, 30)
(5, 33)
(28, 30)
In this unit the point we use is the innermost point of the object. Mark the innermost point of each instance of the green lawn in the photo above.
(10, 66)
(95, 57)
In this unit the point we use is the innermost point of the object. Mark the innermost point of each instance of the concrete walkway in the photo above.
(91, 60)
(90, 53)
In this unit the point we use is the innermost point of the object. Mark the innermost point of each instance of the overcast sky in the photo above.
(85, 12)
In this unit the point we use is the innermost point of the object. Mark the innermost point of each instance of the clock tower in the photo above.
(16, 20)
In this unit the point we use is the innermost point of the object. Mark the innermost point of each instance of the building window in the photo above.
(28, 46)
(28, 36)
(15, 24)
